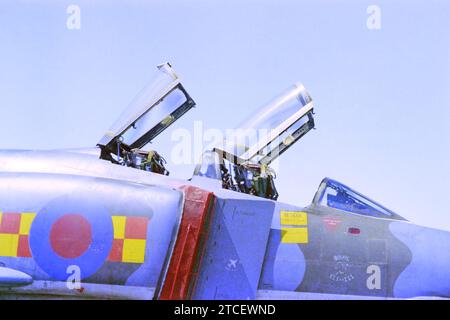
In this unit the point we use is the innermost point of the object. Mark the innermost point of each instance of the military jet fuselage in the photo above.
(110, 222)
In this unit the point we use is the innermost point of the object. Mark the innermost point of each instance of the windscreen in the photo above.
(336, 195)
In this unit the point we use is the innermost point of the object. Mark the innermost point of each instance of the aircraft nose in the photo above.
(428, 272)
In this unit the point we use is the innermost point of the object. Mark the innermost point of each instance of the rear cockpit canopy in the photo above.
(274, 128)
(242, 161)
(336, 195)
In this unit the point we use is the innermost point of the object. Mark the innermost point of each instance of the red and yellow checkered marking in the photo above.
(130, 237)
(129, 244)
(14, 231)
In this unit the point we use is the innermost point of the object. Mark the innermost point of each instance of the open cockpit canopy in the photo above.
(155, 108)
(162, 102)
(242, 161)
(334, 194)
(274, 128)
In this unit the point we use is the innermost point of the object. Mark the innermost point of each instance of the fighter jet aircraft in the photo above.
(109, 222)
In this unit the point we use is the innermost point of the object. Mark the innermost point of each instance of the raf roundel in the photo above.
(68, 232)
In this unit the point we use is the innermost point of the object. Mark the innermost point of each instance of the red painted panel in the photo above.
(116, 251)
(189, 247)
(136, 228)
(10, 223)
(23, 249)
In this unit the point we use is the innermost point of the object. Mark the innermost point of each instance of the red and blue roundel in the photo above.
(69, 232)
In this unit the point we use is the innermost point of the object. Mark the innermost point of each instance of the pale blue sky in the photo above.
(382, 97)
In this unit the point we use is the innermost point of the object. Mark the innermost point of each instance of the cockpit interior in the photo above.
(333, 194)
